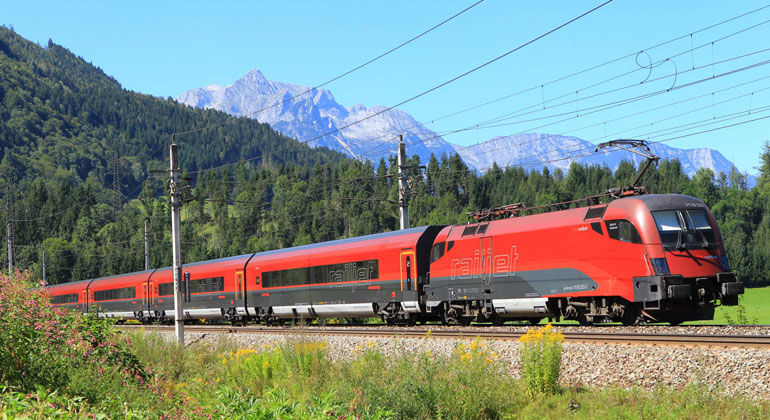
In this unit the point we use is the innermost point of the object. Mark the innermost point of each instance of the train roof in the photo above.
(337, 242)
(656, 202)
(346, 241)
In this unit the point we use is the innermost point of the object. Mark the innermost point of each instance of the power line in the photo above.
(542, 85)
(423, 93)
(601, 107)
(343, 74)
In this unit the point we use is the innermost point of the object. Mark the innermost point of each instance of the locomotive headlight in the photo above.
(660, 266)
(725, 265)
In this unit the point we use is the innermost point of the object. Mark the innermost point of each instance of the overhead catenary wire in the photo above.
(581, 112)
(425, 92)
(594, 67)
(570, 114)
(360, 66)
(542, 85)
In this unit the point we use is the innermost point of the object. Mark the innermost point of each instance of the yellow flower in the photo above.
(244, 352)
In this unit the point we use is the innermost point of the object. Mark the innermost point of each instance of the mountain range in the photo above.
(306, 117)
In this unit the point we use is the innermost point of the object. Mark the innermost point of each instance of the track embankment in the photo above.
(739, 336)
(727, 359)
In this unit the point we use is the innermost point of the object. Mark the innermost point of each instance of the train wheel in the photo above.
(497, 321)
(450, 317)
(583, 321)
(630, 316)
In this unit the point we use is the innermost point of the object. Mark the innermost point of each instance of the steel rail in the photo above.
(720, 340)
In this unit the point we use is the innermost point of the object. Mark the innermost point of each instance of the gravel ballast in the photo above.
(731, 370)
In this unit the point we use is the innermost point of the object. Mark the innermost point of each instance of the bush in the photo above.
(52, 353)
(541, 360)
(44, 345)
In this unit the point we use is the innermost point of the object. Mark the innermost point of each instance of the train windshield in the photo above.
(684, 228)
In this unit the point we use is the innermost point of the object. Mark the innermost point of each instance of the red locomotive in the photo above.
(642, 257)
(637, 258)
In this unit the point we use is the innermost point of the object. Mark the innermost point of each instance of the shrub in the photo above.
(44, 345)
(541, 360)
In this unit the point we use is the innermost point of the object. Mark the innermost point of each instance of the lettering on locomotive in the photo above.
(502, 265)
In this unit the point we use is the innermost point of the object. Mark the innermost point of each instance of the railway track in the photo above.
(715, 340)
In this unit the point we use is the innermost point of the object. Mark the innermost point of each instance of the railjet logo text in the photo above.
(483, 262)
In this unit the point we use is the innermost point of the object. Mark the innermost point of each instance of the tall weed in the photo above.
(541, 360)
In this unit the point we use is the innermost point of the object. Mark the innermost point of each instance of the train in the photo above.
(635, 259)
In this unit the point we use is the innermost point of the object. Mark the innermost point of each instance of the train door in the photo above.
(486, 254)
(145, 297)
(408, 270)
(85, 300)
(239, 289)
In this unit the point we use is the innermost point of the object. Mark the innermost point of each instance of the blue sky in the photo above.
(165, 48)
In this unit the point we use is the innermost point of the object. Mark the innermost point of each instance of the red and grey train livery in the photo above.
(639, 258)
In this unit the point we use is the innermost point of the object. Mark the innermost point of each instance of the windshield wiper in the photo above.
(682, 227)
(705, 241)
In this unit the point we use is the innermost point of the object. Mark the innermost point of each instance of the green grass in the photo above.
(753, 308)
(297, 380)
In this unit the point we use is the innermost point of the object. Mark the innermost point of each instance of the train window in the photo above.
(482, 228)
(437, 251)
(470, 230)
(165, 289)
(330, 273)
(597, 227)
(698, 221)
(684, 227)
(450, 245)
(595, 212)
(668, 225)
(623, 230)
(62, 299)
(113, 294)
(207, 285)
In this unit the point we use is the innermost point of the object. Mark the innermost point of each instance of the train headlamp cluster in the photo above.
(660, 266)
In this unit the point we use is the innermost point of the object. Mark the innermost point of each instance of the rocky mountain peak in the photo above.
(309, 115)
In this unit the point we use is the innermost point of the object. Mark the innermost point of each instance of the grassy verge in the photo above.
(297, 380)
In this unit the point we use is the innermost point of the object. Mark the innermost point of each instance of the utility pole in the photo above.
(115, 182)
(9, 225)
(146, 245)
(177, 254)
(403, 197)
(45, 278)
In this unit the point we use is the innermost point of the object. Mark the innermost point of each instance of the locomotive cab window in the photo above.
(623, 230)
(684, 227)
(437, 251)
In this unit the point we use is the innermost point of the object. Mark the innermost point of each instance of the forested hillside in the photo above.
(62, 121)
